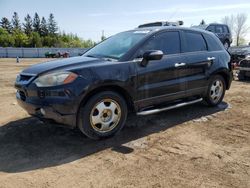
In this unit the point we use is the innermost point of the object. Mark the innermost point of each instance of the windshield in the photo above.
(116, 46)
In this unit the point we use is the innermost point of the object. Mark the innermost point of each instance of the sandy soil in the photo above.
(194, 146)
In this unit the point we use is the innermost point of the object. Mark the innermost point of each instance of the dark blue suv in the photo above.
(142, 71)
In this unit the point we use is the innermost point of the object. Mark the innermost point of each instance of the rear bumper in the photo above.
(47, 113)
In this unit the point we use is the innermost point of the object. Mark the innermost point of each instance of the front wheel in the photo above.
(216, 90)
(103, 115)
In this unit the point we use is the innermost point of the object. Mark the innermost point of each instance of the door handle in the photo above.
(179, 64)
(211, 58)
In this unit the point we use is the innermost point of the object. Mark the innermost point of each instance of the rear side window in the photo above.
(219, 29)
(213, 43)
(195, 42)
(226, 29)
(167, 42)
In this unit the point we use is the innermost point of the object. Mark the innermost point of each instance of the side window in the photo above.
(168, 43)
(226, 29)
(211, 28)
(219, 29)
(195, 42)
(213, 43)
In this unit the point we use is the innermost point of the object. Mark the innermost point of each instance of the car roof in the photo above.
(169, 28)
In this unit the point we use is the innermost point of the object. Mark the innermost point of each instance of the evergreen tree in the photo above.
(16, 22)
(44, 27)
(37, 23)
(52, 25)
(5, 24)
(27, 25)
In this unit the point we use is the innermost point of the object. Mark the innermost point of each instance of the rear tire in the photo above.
(103, 115)
(216, 90)
(226, 45)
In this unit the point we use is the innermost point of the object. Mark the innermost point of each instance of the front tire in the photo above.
(216, 90)
(103, 115)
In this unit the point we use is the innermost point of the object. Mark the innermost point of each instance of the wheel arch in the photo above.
(226, 75)
(114, 88)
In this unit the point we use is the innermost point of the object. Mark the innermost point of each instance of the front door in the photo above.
(161, 80)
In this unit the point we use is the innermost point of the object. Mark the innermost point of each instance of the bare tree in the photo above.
(238, 26)
(241, 27)
(230, 21)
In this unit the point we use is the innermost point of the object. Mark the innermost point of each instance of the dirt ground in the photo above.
(194, 146)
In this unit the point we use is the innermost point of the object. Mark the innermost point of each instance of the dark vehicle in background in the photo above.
(142, 71)
(222, 31)
(56, 54)
(240, 57)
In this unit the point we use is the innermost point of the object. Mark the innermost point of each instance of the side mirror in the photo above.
(151, 56)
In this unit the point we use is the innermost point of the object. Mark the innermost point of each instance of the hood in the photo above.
(243, 50)
(62, 64)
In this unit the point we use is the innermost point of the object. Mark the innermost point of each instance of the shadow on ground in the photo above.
(27, 144)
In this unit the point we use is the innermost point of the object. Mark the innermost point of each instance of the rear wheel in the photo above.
(226, 45)
(216, 90)
(103, 115)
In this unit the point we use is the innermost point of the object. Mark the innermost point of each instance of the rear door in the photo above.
(219, 30)
(160, 80)
(198, 61)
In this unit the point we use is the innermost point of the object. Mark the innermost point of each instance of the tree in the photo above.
(6, 39)
(44, 27)
(52, 25)
(27, 25)
(5, 24)
(21, 39)
(240, 28)
(35, 40)
(15, 21)
(229, 20)
(36, 23)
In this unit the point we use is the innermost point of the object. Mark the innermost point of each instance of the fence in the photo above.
(37, 52)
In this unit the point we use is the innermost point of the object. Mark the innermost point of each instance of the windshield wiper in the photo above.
(105, 57)
(91, 56)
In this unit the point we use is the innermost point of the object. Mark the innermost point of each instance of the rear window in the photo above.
(195, 42)
(219, 29)
(213, 43)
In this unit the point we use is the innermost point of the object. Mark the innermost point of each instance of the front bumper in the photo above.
(47, 113)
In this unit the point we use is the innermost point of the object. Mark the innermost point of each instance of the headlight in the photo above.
(55, 79)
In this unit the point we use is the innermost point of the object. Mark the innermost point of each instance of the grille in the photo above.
(237, 57)
(245, 63)
(22, 95)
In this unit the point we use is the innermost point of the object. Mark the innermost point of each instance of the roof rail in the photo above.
(164, 23)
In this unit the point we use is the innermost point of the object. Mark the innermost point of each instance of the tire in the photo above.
(226, 45)
(103, 115)
(216, 90)
(241, 76)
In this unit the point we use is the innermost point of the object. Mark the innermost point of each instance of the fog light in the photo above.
(42, 111)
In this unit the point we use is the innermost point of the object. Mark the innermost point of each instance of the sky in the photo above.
(88, 18)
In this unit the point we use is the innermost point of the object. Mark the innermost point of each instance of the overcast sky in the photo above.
(87, 18)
